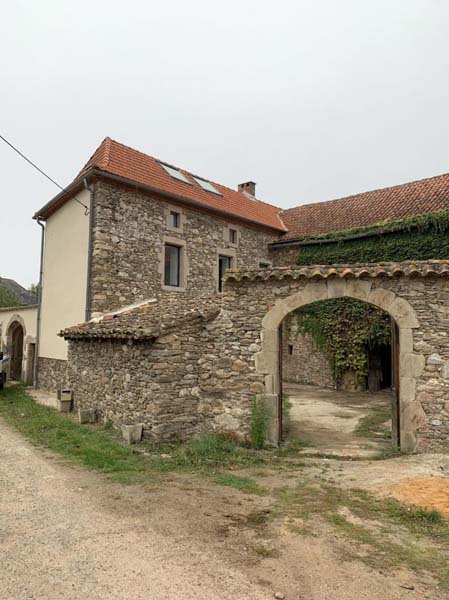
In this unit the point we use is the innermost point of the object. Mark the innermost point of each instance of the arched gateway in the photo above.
(415, 295)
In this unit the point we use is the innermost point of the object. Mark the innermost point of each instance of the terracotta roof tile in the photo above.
(410, 268)
(369, 208)
(147, 320)
(118, 159)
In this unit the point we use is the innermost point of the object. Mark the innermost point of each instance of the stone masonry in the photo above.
(204, 375)
(301, 361)
(130, 228)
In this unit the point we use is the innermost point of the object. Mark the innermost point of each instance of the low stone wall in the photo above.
(175, 386)
(52, 374)
(301, 362)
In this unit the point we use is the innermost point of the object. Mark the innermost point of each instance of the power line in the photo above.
(42, 172)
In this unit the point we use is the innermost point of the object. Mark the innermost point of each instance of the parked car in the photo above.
(4, 359)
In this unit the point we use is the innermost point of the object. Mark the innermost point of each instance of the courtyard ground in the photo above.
(339, 422)
(251, 526)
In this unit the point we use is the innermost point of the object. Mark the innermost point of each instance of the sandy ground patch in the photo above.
(426, 492)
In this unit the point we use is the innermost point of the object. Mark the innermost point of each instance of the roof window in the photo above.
(206, 185)
(175, 173)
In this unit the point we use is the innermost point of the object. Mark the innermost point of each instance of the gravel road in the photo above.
(57, 540)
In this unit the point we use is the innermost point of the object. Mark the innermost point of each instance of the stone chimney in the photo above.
(249, 187)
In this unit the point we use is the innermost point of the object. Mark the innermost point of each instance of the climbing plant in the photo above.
(343, 328)
(417, 238)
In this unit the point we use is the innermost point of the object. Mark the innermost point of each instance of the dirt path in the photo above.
(58, 541)
(72, 534)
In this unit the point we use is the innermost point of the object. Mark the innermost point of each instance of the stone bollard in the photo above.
(86, 415)
(65, 401)
(132, 433)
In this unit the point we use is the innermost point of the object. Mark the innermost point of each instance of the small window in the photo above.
(175, 173)
(172, 265)
(175, 219)
(290, 349)
(224, 262)
(206, 185)
(264, 265)
(233, 236)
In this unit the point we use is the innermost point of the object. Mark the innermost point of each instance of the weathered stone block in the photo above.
(86, 415)
(132, 434)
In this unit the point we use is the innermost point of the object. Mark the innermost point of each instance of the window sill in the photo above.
(173, 288)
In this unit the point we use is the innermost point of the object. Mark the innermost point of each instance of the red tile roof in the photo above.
(147, 320)
(118, 159)
(388, 204)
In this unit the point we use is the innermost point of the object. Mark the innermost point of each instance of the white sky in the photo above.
(312, 99)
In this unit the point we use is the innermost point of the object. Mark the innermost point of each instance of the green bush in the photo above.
(260, 416)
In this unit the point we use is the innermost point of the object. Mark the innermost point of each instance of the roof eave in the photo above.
(65, 195)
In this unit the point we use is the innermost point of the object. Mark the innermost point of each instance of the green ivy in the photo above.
(437, 221)
(422, 238)
(343, 328)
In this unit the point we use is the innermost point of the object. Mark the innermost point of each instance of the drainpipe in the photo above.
(39, 304)
(91, 191)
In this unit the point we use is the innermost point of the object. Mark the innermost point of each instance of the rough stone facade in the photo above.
(174, 385)
(301, 361)
(52, 374)
(130, 229)
(418, 304)
(211, 374)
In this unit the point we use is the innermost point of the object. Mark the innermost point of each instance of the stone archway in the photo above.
(16, 333)
(411, 365)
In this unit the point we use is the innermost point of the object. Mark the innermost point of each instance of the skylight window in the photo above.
(206, 185)
(175, 173)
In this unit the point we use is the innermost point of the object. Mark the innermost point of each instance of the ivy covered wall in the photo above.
(344, 329)
(417, 238)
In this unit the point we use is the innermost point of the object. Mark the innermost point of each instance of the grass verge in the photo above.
(98, 448)
(94, 448)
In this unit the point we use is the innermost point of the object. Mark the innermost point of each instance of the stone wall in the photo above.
(52, 374)
(205, 377)
(424, 335)
(175, 386)
(130, 228)
(285, 256)
(301, 361)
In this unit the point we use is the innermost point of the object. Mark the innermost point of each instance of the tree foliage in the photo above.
(344, 328)
(7, 297)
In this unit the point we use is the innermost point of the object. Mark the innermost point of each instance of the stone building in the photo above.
(132, 228)
(140, 247)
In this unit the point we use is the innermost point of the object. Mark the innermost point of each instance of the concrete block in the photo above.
(132, 433)
(86, 415)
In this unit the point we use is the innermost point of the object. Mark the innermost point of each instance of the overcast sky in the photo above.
(312, 99)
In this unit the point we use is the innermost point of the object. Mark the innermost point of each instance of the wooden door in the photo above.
(395, 387)
(280, 392)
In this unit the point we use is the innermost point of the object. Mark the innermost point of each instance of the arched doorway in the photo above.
(268, 360)
(16, 335)
(339, 379)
